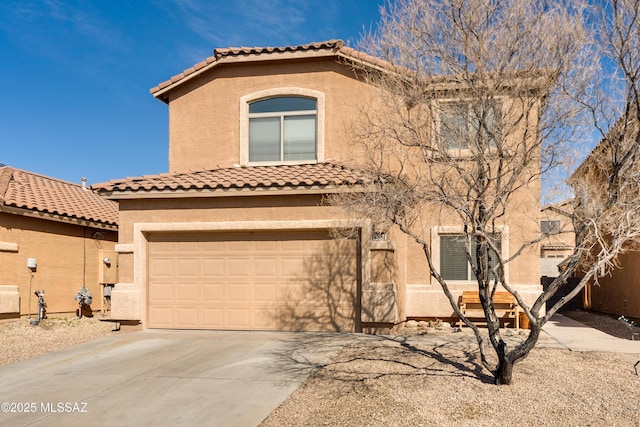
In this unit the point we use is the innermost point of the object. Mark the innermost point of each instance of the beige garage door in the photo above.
(253, 281)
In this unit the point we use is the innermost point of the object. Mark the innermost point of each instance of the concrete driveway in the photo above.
(163, 378)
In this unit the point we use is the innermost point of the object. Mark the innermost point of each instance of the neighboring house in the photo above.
(64, 230)
(555, 221)
(617, 291)
(238, 234)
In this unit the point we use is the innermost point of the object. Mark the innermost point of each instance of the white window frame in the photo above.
(281, 92)
(438, 231)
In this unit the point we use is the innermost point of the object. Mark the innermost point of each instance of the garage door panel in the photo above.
(161, 317)
(294, 291)
(239, 267)
(213, 267)
(265, 245)
(263, 318)
(239, 292)
(187, 292)
(239, 318)
(265, 292)
(160, 248)
(187, 246)
(162, 267)
(187, 317)
(212, 246)
(295, 246)
(213, 292)
(262, 280)
(213, 318)
(266, 266)
(239, 246)
(162, 292)
(187, 267)
(292, 266)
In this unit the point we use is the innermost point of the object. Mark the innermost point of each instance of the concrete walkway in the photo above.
(579, 337)
(162, 378)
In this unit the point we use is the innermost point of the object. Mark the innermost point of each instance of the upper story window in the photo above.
(550, 226)
(283, 129)
(282, 125)
(467, 124)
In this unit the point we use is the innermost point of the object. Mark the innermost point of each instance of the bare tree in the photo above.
(607, 183)
(479, 99)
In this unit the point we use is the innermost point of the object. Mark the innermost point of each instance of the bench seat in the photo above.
(503, 302)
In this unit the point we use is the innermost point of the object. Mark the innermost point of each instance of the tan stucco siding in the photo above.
(204, 115)
(619, 292)
(222, 209)
(65, 260)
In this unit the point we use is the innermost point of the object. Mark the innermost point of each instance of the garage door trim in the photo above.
(141, 230)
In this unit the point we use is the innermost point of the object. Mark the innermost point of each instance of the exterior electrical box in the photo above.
(108, 267)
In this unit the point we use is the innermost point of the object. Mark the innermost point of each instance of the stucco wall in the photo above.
(204, 126)
(65, 260)
(619, 293)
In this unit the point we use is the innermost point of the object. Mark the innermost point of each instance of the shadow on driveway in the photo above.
(164, 378)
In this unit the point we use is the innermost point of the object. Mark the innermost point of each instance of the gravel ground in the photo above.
(420, 381)
(20, 340)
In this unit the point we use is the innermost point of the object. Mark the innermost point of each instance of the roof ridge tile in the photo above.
(219, 53)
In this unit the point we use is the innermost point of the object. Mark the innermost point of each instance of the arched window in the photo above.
(282, 129)
(282, 126)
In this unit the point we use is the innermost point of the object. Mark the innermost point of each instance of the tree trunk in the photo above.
(504, 373)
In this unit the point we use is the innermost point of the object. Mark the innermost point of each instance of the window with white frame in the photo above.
(463, 123)
(283, 128)
(454, 264)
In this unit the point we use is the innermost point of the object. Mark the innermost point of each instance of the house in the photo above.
(555, 222)
(54, 236)
(616, 290)
(238, 233)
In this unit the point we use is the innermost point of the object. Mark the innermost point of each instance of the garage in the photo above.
(280, 280)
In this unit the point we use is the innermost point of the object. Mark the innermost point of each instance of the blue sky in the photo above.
(75, 75)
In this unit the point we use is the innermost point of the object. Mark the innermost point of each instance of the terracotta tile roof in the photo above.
(335, 47)
(28, 190)
(252, 177)
(236, 51)
(557, 246)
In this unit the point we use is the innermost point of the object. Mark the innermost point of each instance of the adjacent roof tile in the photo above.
(252, 177)
(28, 190)
(556, 246)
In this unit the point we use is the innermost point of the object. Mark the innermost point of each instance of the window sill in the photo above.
(282, 163)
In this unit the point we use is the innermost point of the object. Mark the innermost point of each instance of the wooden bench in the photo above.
(502, 302)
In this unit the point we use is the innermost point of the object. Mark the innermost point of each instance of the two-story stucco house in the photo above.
(238, 233)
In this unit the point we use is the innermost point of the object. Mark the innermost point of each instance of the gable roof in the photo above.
(335, 48)
(41, 194)
(306, 178)
(564, 207)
